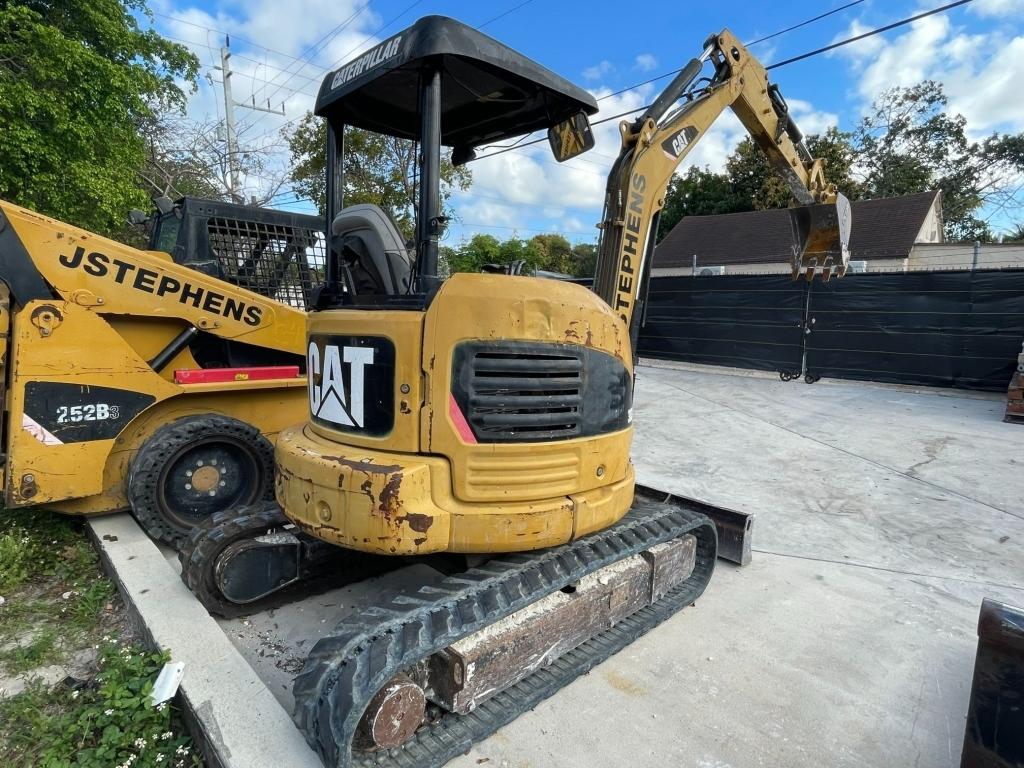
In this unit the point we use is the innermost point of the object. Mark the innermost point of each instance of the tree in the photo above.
(585, 259)
(550, 252)
(698, 192)
(471, 256)
(751, 183)
(77, 81)
(554, 253)
(909, 143)
(378, 169)
(184, 159)
(1015, 235)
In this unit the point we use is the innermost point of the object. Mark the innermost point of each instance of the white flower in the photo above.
(140, 743)
(166, 735)
(161, 706)
(159, 758)
(108, 712)
(74, 694)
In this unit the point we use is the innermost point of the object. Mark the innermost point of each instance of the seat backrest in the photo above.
(367, 234)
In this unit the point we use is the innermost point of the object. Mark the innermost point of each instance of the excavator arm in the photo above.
(656, 143)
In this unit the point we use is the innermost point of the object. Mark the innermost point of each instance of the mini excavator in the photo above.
(482, 423)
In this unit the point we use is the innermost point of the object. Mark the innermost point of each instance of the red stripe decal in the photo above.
(222, 375)
(461, 425)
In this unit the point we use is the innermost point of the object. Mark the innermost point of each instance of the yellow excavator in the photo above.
(482, 423)
(158, 379)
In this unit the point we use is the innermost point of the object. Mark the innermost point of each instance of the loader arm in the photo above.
(656, 143)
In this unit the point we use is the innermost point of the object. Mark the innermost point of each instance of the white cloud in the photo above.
(980, 72)
(275, 54)
(860, 50)
(810, 120)
(998, 8)
(645, 62)
(599, 70)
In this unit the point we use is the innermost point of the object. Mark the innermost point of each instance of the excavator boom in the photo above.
(659, 140)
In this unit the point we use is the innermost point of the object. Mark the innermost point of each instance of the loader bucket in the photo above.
(821, 238)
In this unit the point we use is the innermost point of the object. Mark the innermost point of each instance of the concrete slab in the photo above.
(885, 514)
(233, 716)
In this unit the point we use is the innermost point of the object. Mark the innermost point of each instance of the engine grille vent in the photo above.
(531, 392)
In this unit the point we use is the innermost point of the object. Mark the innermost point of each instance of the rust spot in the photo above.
(590, 337)
(571, 333)
(389, 501)
(420, 541)
(403, 406)
(622, 683)
(365, 466)
(305, 497)
(419, 523)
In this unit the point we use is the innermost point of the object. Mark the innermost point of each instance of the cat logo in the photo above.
(674, 145)
(329, 399)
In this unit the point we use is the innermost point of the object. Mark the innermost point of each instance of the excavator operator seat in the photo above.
(373, 250)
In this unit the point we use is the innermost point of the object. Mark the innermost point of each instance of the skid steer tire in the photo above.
(195, 467)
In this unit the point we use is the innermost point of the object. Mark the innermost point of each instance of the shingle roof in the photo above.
(881, 229)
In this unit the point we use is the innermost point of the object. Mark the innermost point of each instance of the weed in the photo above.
(56, 600)
(107, 722)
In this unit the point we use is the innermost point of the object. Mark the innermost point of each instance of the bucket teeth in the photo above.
(821, 238)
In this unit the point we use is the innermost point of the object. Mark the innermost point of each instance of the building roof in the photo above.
(885, 228)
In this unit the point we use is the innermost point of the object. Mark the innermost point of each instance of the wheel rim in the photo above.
(206, 477)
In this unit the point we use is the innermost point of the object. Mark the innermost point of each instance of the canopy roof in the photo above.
(488, 91)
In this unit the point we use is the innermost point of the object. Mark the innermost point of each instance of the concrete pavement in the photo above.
(884, 516)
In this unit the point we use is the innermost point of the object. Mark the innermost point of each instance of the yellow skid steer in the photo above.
(153, 379)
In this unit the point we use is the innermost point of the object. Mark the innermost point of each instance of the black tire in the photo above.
(237, 466)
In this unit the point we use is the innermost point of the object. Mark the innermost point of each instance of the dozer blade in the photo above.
(821, 238)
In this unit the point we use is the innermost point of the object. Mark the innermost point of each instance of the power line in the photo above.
(880, 30)
(313, 49)
(792, 60)
(753, 42)
(803, 23)
(223, 32)
(346, 55)
(503, 15)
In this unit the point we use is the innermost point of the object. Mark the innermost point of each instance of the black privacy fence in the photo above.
(955, 329)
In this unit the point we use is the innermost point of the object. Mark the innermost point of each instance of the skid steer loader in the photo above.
(482, 423)
(155, 379)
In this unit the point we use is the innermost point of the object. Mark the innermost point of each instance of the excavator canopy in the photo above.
(489, 92)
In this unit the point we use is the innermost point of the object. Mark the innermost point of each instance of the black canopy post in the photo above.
(428, 221)
(335, 192)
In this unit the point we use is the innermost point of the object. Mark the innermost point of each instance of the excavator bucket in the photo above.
(821, 238)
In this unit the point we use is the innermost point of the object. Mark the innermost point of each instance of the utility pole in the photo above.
(977, 253)
(229, 122)
(234, 183)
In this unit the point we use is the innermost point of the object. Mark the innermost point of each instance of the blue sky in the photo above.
(281, 50)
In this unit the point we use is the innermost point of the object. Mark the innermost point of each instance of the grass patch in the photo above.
(58, 609)
(55, 597)
(106, 722)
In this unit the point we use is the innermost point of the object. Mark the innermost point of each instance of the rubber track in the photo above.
(202, 548)
(346, 668)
